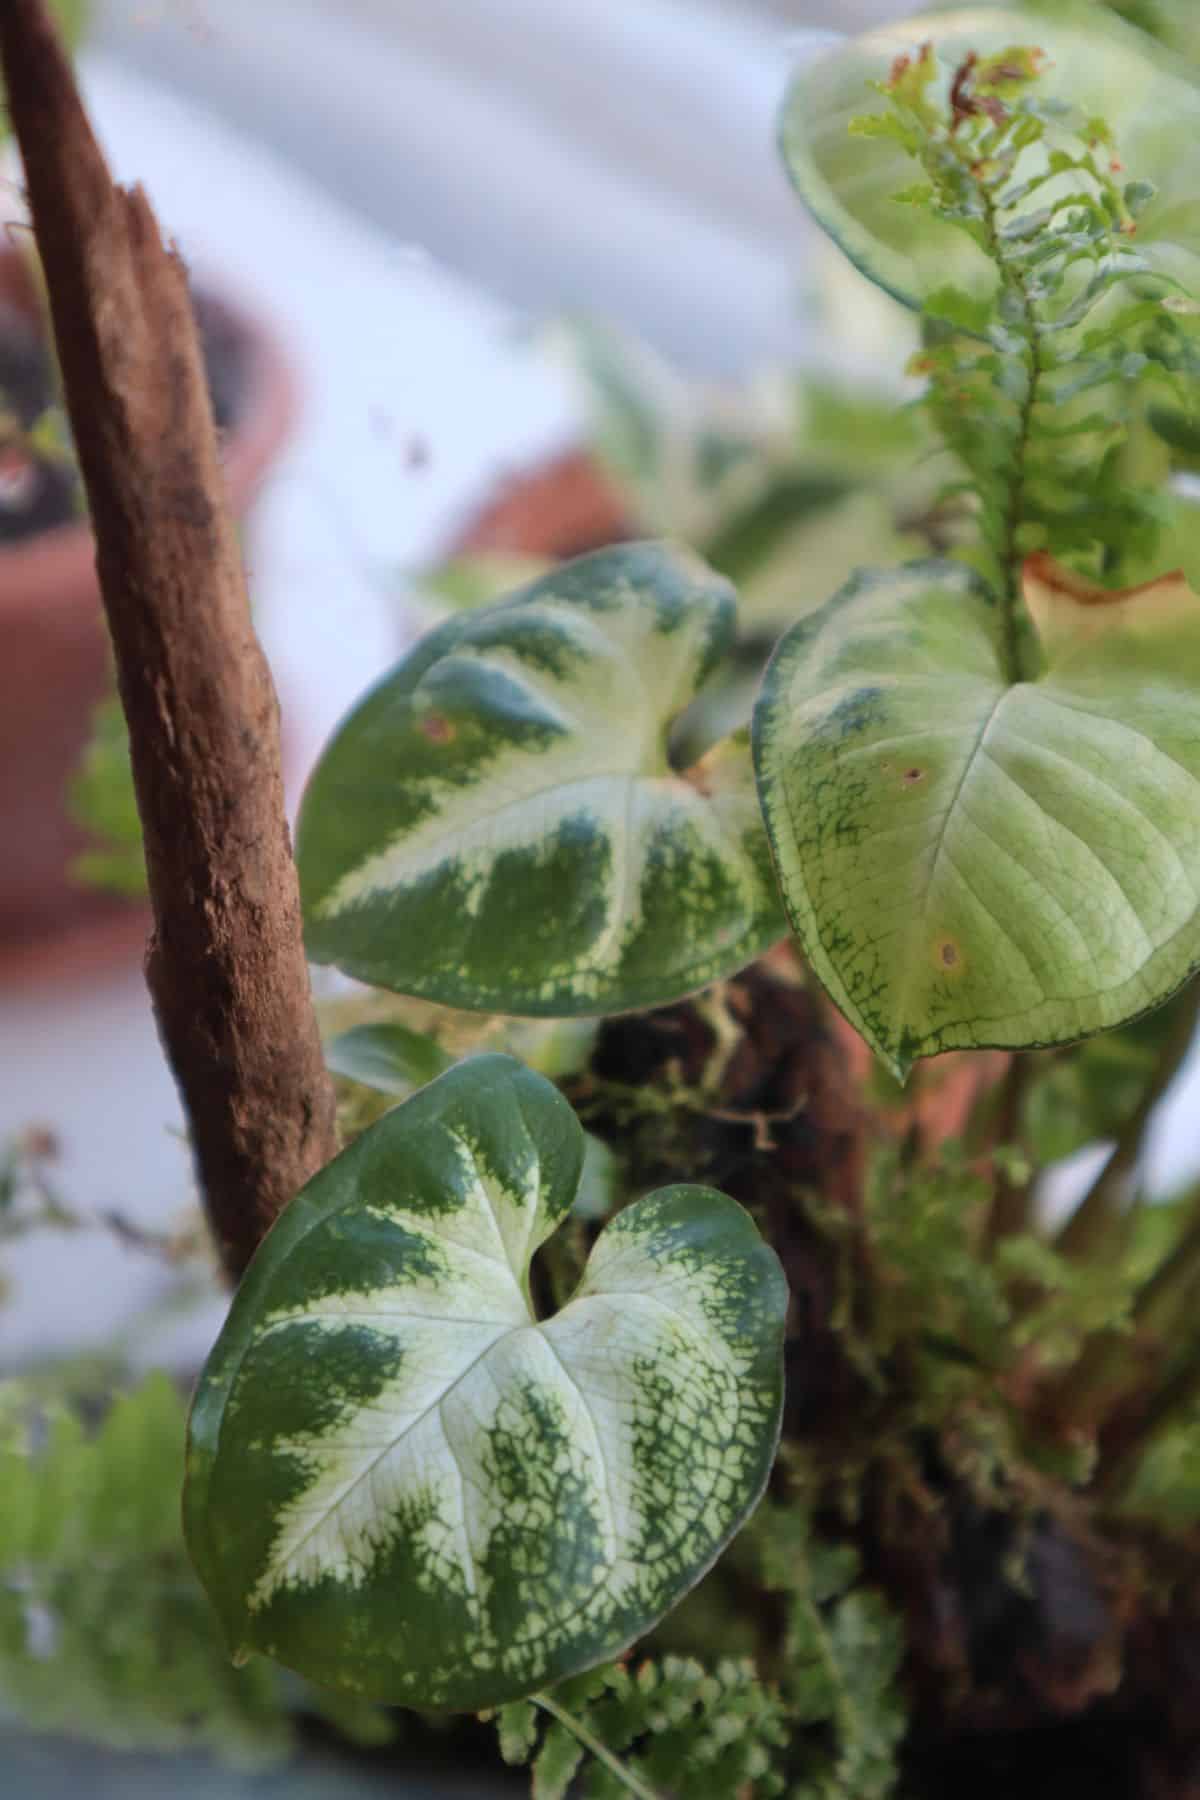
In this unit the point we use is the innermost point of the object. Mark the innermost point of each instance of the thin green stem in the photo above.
(1098, 1386)
(1011, 1210)
(1101, 1206)
(1009, 549)
(1175, 1400)
(1179, 1274)
(632, 1783)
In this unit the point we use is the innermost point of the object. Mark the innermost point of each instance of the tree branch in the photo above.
(226, 964)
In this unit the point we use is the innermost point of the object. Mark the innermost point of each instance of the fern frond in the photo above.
(1074, 313)
(673, 1727)
(843, 1651)
(105, 1633)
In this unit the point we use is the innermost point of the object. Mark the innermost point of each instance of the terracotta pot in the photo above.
(558, 509)
(54, 667)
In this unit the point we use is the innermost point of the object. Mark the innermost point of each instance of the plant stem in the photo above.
(1122, 1456)
(1011, 1207)
(1009, 552)
(1176, 1275)
(1101, 1205)
(226, 964)
(632, 1783)
(1099, 1385)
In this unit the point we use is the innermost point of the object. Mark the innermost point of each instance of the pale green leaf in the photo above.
(970, 863)
(100, 798)
(1099, 65)
(387, 1056)
(479, 577)
(498, 825)
(403, 1484)
(516, 1729)
(557, 1764)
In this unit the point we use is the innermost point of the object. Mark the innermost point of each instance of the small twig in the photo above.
(1115, 1374)
(632, 1783)
(1122, 1455)
(1011, 1207)
(226, 963)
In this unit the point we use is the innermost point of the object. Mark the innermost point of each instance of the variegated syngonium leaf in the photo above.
(498, 825)
(971, 863)
(401, 1483)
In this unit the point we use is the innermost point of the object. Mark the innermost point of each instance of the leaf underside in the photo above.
(498, 827)
(403, 1485)
(968, 863)
(1100, 66)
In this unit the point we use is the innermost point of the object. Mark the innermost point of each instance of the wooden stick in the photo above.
(225, 965)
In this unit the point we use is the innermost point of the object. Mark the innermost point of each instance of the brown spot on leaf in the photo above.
(437, 728)
(949, 954)
(912, 776)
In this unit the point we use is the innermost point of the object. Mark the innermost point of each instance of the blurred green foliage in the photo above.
(105, 1633)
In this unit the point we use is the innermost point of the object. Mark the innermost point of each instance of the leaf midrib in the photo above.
(917, 937)
(368, 1469)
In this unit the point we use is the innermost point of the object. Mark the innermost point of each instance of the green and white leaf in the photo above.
(403, 1484)
(1101, 67)
(970, 863)
(498, 825)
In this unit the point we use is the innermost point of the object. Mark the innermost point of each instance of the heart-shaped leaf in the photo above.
(970, 863)
(403, 1484)
(498, 825)
(1102, 67)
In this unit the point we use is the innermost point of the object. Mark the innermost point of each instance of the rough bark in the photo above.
(225, 965)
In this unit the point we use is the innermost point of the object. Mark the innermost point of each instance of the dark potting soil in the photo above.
(1076, 1683)
(41, 493)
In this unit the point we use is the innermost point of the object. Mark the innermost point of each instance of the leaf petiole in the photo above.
(632, 1783)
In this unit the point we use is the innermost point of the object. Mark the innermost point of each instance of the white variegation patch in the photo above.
(499, 824)
(402, 1482)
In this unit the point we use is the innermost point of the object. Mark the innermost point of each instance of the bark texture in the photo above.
(226, 964)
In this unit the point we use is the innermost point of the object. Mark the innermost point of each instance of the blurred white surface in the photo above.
(614, 155)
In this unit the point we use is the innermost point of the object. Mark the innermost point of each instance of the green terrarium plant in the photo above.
(676, 1365)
